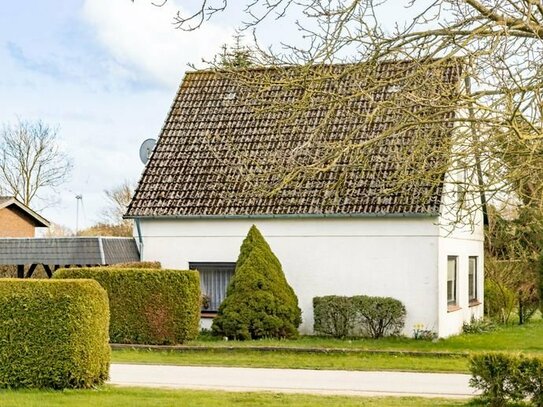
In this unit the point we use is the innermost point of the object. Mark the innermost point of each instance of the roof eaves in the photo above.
(291, 216)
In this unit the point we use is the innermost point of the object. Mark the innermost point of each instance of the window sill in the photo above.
(474, 303)
(453, 308)
(208, 314)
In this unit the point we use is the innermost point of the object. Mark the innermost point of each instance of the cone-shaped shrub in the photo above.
(259, 301)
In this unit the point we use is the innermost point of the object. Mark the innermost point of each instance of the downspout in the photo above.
(140, 239)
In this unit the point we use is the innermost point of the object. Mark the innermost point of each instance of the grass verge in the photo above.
(110, 396)
(285, 359)
(356, 354)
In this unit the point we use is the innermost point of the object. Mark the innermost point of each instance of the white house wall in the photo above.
(396, 257)
(461, 235)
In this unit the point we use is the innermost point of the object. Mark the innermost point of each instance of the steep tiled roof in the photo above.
(223, 141)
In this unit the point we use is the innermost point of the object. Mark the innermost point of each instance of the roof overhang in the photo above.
(39, 220)
(290, 216)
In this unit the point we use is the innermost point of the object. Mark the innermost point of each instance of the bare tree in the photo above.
(118, 199)
(32, 164)
(498, 109)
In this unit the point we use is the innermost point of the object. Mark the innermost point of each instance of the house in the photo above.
(341, 230)
(18, 220)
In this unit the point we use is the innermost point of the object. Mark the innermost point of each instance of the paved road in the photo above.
(293, 380)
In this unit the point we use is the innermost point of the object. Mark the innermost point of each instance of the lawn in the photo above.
(116, 396)
(511, 338)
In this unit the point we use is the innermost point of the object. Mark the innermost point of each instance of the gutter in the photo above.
(137, 218)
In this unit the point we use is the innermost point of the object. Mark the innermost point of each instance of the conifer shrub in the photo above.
(53, 334)
(259, 301)
(148, 306)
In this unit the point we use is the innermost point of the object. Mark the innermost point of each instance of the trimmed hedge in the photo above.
(334, 315)
(138, 265)
(53, 334)
(259, 301)
(504, 378)
(148, 306)
(360, 315)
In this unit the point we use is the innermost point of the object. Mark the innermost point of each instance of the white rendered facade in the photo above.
(395, 256)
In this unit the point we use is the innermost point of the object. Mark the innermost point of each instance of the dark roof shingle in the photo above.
(221, 144)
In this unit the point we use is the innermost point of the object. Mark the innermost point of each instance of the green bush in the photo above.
(259, 301)
(138, 265)
(148, 306)
(360, 315)
(528, 381)
(499, 302)
(53, 334)
(379, 316)
(492, 373)
(505, 378)
(478, 326)
(333, 315)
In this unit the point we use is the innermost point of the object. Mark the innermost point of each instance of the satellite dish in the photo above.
(146, 149)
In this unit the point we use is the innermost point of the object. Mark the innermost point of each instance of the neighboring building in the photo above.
(18, 220)
(194, 205)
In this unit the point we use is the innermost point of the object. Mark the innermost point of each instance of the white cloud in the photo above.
(141, 37)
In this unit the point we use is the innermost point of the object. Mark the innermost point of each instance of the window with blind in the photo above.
(214, 280)
(452, 263)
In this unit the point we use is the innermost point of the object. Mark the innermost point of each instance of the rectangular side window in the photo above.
(214, 280)
(451, 279)
(472, 279)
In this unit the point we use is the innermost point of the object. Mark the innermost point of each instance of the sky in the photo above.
(104, 72)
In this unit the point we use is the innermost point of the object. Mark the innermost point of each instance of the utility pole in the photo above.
(79, 199)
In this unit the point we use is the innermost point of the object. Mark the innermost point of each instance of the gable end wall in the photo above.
(394, 257)
(15, 223)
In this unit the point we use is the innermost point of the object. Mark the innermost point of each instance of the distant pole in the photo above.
(79, 198)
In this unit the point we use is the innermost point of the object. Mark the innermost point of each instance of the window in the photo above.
(472, 279)
(451, 279)
(214, 279)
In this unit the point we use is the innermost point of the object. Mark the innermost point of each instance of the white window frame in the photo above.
(473, 278)
(452, 300)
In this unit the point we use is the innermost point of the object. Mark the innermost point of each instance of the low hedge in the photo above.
(334, 315)
(360, 315)
(53, 334)
(148, 306)
(138, 265)
(505, 378)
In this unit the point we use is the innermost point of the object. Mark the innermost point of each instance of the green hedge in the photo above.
(360, 315)
(505, 378)
(148, 306)
(53, 334)
(138, 265)
(333, 315)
